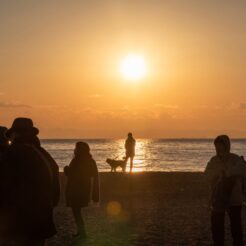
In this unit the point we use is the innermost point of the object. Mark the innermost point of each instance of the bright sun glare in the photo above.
(133, 67)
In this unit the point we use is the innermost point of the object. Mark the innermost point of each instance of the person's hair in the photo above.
(223, 139)
(82, 149)
(129, 134)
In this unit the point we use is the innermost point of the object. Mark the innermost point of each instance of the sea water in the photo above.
(151, 154)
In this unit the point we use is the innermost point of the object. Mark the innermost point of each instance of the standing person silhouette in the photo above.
(130, 144)
(226, 174)
(26, 190)
(82, 184)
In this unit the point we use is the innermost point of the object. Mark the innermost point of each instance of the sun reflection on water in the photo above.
(151, 154)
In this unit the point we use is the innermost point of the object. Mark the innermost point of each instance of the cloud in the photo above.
(13, 105)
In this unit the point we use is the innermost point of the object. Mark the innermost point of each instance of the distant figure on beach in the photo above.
(226, 174)
(130, 144)
(27, 189)
(82, 184)
(3, 141)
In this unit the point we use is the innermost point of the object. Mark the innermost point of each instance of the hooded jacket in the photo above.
(230, 170)
(79, 186)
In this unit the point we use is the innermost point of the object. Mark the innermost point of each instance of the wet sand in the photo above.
(156, 208)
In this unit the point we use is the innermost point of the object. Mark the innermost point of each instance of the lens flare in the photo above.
(114, 208)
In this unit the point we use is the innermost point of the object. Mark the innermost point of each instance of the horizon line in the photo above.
(153, 138)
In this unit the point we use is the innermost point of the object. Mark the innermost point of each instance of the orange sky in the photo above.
(59, 64)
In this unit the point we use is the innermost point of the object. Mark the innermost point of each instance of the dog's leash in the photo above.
(118, 155)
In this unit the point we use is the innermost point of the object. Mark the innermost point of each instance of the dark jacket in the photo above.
(27, 198)
(226, 177)
(79, 182)
(55, 176)
(54, 168)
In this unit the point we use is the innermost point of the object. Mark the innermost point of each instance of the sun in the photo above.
(133, 67)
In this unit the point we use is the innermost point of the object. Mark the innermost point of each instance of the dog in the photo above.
(117, 163)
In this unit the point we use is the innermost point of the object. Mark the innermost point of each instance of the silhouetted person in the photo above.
(27, 194)
(82, 184)
(130, 149)
(226, 172)
(3, 140)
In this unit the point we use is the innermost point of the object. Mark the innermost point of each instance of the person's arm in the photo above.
(244, 179)
(211, 172)
(244, 183)
(95, 185)
(67, 169)
(56, 178)
(57, 191)
(126, 144)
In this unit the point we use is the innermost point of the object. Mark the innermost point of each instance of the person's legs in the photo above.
(217, 227)
(126, 159)
(131, 163)
(79, 221)
(236, 225)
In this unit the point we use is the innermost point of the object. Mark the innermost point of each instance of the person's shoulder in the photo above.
(214, 159)
(72, 162)
(18, 148)
(19, 153)
(43, 150)
(235, 157)
(45, 153)
(93, 161)
(93, 164)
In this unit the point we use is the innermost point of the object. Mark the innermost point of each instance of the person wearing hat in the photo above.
(130, 144)
(226, 174)
(27, 196)
(82, 184)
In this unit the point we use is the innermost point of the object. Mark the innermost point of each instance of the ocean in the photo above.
(168, 155)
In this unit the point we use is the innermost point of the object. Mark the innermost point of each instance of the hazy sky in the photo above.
(59, 64)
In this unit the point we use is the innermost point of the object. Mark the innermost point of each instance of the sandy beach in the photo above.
(143, 209)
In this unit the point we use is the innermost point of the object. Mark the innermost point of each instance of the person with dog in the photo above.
(82, 184)
(130, 144)
(226, 174)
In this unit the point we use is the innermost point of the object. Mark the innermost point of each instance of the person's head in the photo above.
(82, 149)
(129, 135)
(222, 145)
(3, 138)
(22, 130)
